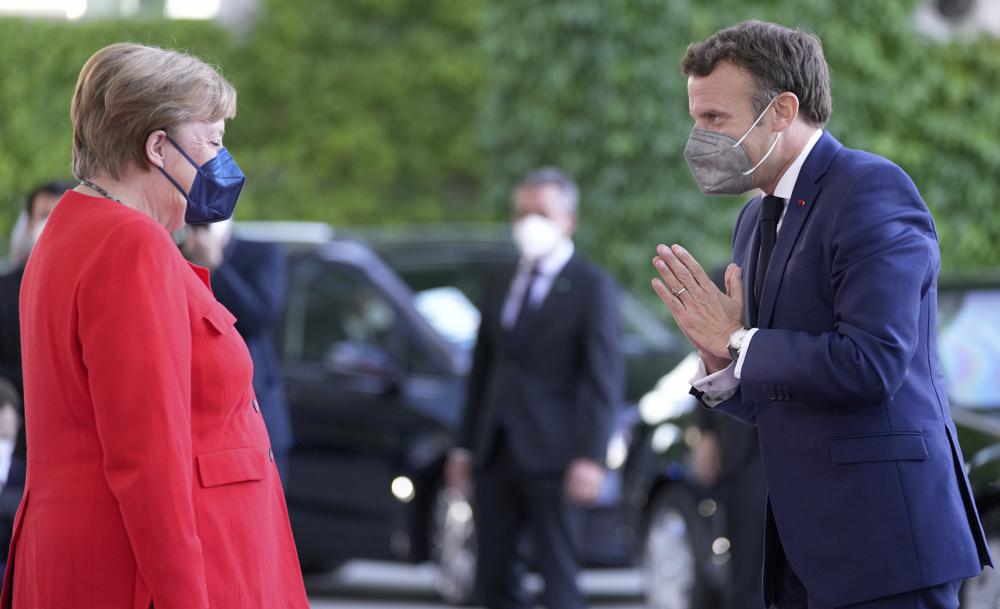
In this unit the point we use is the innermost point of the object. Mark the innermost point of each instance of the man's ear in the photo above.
(155, 145)
(785, 108)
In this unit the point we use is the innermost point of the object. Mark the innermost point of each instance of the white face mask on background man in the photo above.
(536, 236)
(23, 238)
(719, 163)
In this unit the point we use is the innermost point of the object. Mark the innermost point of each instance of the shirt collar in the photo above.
(552, 263)
(787, 182)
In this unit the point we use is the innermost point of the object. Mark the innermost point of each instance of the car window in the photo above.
(448, 296)
(969, 346)
(332, 304)
(642, 330)
(449, 311)
(451, 288)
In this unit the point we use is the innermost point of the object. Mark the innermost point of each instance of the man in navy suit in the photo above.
(830, 349)
(547, 377)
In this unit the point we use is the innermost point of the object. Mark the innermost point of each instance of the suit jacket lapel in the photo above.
(800, 205)
(562, 284)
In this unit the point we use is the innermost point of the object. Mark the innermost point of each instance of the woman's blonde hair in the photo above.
(126, 91)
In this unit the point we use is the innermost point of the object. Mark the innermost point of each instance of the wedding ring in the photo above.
(679, 292)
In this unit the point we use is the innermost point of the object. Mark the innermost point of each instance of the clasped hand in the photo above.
(705, 315)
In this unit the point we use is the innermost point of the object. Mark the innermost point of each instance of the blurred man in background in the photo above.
(12, 464)
(547, 377)
(37, 206)
(249, 279)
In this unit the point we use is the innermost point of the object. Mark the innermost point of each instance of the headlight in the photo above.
(403, 489)
(617, 451)
(664, 437)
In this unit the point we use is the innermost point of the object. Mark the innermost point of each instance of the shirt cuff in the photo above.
(717, 387)
(738, 371)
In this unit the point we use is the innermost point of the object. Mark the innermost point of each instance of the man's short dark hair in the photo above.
(782, 59)
(52, 187)
(556, 177)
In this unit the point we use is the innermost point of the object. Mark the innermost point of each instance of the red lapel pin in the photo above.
(802, 202)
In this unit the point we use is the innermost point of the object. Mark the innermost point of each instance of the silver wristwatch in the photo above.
(736, 340)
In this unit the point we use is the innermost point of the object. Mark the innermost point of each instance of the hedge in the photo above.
(407, 111)
(595, 86)
(354, 111)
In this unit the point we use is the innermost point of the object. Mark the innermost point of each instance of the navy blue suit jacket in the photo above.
(867, 492)
(252, 284)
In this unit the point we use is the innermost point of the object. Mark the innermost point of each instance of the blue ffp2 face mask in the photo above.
(215, 190)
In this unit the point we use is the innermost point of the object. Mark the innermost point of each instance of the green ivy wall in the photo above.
(407, 111)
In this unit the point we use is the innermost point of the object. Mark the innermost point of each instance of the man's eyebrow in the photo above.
(715, 111)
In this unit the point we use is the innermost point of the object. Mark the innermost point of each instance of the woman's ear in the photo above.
(786, 108)
(155, 144)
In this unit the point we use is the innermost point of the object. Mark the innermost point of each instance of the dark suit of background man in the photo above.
(37, 206)
(547, 377)
(250, 279)
(834, 357)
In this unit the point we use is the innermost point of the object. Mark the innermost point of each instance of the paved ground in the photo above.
(373, 585)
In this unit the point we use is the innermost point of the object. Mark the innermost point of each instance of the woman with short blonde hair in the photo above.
(150, 476)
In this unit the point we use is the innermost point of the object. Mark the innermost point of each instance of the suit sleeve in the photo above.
(10, 330)
(135, 340)
(884, 259)
(602, 381)
(257, 296)
(482, 357)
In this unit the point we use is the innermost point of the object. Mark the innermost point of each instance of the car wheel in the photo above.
(983, 592)
(454, 547)
(673, 579)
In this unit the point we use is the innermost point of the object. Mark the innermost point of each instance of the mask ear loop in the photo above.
(769, 151)
(187, 196)
(773, 144)
(198, 167)
(762, 113)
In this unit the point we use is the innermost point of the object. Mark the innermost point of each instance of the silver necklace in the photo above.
(99, 190)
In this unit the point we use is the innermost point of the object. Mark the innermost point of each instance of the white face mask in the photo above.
(22, 239)
(37, 232)
(536, 236)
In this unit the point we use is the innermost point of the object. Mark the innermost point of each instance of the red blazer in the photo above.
(149, 474)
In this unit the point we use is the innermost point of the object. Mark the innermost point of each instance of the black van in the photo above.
(375, 345)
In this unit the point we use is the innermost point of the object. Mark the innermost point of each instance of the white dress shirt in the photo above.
(721, 385)
(6, 458)
(548, 268)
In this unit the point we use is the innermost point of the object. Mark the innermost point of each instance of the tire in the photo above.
(983, 592)
(671, 571)
(453, 547)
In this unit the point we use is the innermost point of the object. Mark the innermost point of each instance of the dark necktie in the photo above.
(525, 308)
(770, 212)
